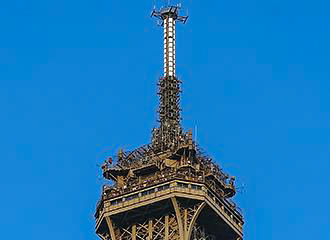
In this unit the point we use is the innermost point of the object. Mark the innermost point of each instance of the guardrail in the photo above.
(111, 192)
(229, 208)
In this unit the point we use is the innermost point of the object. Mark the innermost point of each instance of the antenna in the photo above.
(169, 134)
(168, 16)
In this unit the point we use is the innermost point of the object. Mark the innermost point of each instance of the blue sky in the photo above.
(78, 81)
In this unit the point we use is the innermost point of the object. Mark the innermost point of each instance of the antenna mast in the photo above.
(168, 17)
(169, 135)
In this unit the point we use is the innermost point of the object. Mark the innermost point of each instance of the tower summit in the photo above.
(168, 189)
(169, 135)
(168, 17)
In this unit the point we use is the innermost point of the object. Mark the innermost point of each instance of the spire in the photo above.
(168, 16)
(169, 134)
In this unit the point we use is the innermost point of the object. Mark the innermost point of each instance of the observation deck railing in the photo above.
(112, 192)
(171, 187)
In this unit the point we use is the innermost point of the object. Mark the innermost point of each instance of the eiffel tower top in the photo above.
(172, 161)
(170, 146)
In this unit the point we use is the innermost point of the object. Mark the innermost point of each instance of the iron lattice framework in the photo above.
(169, 134)
(169, 189)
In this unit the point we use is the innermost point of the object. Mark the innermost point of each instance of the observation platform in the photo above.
(129, 206)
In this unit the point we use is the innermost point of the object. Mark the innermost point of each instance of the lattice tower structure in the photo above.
(169, 189)
(169, 134)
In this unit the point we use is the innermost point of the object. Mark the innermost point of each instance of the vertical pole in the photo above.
(169, 46)
(134, 232)
(110, 226)
(167, 230)
(165, 46)
(185, 224)
(150, 229)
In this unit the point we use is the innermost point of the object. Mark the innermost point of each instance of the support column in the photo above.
(150, 229)
(185, 222)
(134, 232)
(178, 217)
(167, 230)
(110, 226)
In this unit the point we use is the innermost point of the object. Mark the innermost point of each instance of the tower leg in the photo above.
(111, 229)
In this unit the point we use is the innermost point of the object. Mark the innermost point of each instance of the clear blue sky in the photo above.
(78, 80)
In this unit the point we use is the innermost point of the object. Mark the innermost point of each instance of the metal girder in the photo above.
(194, 218)
(178, 216)
(111, 229)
